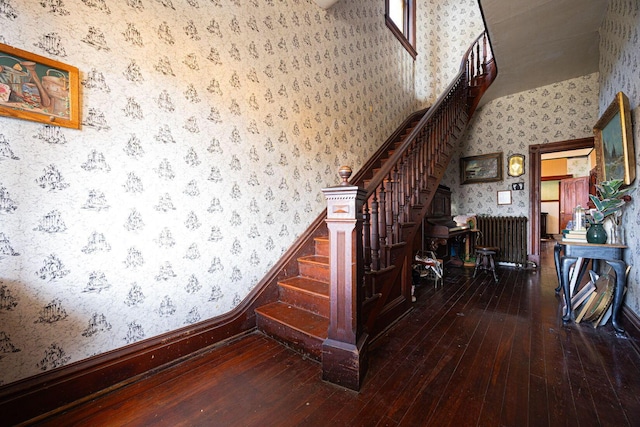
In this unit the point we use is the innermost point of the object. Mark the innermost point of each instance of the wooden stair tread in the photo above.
(316, 259)
(308, 285)
(296, 318)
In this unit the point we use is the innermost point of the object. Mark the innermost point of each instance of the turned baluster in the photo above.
(396, 203)
(432, 148)
(375, 242)
(411, 156)
(423, 158)
(366, 237)
(471, 62)
(479, 65)
(389, 210)
(383, 226)
(404, 191)
(484, 51)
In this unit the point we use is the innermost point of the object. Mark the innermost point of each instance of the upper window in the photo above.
(400, 16)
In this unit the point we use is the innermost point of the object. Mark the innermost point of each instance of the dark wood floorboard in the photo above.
(471, 353)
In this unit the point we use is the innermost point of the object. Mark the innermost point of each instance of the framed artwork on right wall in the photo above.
(615, 155)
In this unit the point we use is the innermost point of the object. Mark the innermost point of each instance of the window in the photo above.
(400, 16)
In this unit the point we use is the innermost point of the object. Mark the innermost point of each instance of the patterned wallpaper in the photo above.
(578, 166)
(619, 71)
(557, 112)
(449, 27)
(209, 129)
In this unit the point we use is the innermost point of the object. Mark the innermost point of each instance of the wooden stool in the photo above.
(484, 260)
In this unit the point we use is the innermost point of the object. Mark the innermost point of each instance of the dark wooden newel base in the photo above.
(345, 364)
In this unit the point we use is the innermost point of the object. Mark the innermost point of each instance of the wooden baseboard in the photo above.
(632, 327)
(42, 393)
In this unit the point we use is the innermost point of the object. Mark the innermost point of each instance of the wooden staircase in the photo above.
(395, 187)
(300, 317)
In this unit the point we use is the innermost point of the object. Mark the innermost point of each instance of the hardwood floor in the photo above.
(472, 353)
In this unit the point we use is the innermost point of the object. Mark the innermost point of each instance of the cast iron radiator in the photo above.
(509, 233)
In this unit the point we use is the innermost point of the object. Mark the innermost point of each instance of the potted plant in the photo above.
(609, 201)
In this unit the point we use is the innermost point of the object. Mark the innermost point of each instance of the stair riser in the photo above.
(315, 271)
(322, 247)
(308, 345)
(317, 304)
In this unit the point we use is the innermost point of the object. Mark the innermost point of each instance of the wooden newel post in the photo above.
(344, 351)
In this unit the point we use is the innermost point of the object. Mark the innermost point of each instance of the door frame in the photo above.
(535, 166)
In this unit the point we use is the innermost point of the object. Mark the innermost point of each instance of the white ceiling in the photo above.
(325, 4)
(540, 42)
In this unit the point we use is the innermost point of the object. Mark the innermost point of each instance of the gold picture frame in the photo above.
(39, 89)
(515, 165)
(615, 155)
(483, 168)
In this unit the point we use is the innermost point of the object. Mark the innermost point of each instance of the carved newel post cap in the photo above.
(345, 172)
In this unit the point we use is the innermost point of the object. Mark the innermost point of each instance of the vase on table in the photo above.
(596, 234)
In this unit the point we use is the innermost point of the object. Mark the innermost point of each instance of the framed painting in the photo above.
(484, 168)
(36, 88)
(615, 155)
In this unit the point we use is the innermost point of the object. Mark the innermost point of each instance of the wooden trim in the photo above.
(535, 166)
(412, 25)
(555, 177)
(61, 387)
(400, 36)
(632, 327)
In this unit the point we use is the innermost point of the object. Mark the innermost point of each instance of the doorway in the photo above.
(535, 166)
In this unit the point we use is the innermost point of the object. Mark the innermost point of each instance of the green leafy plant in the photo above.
(611, 198)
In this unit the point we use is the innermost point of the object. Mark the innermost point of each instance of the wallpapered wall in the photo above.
(557, 112)
(561, 111)
(209, 129)
(620, 71)
(446, 30)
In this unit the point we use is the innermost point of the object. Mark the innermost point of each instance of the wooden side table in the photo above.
(567, 253)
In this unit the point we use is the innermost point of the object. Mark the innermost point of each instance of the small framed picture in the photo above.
(515, 165)
(504, 197)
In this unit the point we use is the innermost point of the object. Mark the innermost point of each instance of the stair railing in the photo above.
(419, 162)
(393, 203)
(399, 193)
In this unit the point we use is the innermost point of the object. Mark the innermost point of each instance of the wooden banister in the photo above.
(390, 210)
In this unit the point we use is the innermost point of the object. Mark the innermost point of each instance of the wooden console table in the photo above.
(567, 253)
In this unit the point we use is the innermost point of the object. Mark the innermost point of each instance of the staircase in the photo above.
(400, 181)
(300, 317)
